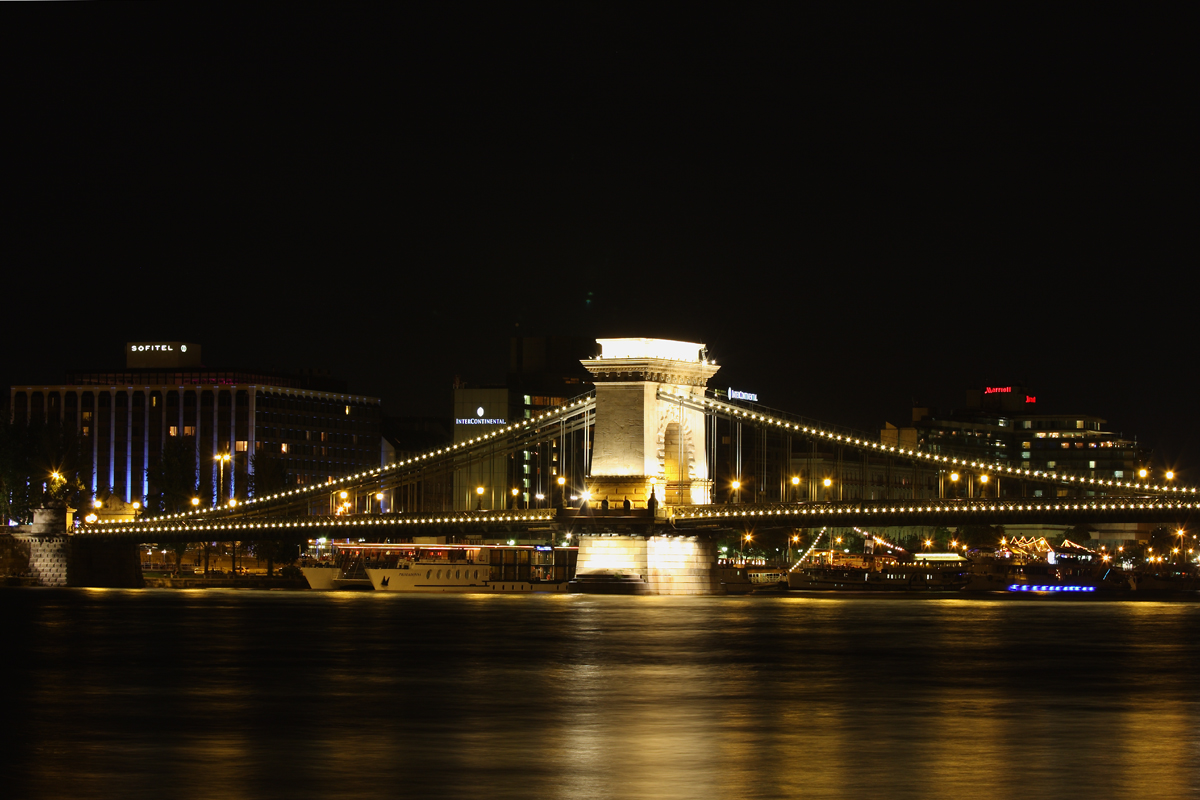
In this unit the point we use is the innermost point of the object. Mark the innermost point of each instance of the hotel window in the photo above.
(173, 430)
(1051, 464)
(1091, 465)
(283, 448)
(189, 430)
(240, 446)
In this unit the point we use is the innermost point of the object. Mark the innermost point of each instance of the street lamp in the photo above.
(983, 479)
(954, 483)
(221, 459)
(828, 482)
(515, 492)
(795, 486)
(736, 486)
(479, 498)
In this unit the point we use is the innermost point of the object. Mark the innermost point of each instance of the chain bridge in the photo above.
(652, 455)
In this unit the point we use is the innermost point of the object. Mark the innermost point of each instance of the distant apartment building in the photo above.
(1002, 424)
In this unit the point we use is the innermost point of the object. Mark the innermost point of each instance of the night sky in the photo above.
(852, 218)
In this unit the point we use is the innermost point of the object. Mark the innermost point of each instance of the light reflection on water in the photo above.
(246, 694)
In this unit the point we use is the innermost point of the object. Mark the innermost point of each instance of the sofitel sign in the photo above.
(166, 348)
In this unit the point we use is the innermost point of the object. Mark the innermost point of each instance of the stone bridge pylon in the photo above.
(643, 442)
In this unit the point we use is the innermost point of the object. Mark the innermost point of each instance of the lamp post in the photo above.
(562, 491)
(221, 459)
(338, 509)
(736, 494)
(954, 484)
(828, 482)
(983, 479)
(795, 486)
(515, 492)
(479, 498)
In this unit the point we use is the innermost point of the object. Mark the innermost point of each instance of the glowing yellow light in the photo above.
(953, 476)
(828, 482)
(795, 481)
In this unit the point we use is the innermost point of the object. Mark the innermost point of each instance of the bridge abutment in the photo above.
(45, 553)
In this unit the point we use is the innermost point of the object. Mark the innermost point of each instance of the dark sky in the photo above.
(852, 217)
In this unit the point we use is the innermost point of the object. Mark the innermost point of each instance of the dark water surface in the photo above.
(197, 694)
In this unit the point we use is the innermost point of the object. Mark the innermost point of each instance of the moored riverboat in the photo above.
(470, 568)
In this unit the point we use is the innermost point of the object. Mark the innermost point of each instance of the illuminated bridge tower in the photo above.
(640, 433)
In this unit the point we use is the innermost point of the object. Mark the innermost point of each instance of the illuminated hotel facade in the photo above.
(126, 418)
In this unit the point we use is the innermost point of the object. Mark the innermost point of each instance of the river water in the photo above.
(225, 693)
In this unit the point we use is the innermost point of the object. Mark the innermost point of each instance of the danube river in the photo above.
(230, 694)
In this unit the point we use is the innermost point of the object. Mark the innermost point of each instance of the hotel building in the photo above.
(126, 417)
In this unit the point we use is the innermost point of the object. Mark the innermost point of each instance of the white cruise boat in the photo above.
(469, 568)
